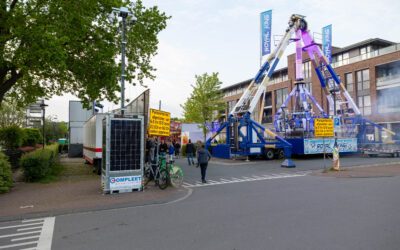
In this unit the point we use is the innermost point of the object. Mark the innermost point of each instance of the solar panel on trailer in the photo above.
(125, 145)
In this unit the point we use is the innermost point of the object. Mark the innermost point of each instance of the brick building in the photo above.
(370, 70)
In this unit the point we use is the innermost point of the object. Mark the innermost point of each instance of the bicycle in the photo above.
(158, 175)
(174, 173)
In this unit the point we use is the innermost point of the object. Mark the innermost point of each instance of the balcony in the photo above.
(379, 52)
(391, 80)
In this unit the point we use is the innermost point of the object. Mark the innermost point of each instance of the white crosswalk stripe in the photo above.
(29, 234)
(228, 180)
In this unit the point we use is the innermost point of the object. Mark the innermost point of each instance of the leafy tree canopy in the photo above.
(55, 47)
(11, 114)
(204, 101)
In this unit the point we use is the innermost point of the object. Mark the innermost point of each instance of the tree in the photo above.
(55, 47)
(11, 115)
(204, 101)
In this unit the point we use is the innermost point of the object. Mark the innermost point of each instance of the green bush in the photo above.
(11, 137)
(5, 174)
(32, 136)
(38, 164)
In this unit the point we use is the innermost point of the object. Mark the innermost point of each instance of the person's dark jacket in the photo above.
(189, 148)
(203, 156)
(163, 147)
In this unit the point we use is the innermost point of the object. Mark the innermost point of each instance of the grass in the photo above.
(54, 175)
(69, 172)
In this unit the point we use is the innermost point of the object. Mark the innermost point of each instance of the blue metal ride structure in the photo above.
(245, 136)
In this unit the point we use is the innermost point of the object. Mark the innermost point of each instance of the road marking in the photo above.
(40, 235)
(18, 244)
(18, 234)
(32, 224)
(26, 238)
(244, 179)
(32, 220)
(46, 236)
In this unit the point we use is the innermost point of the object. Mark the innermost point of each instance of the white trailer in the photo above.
(78, 115)
(93, 140)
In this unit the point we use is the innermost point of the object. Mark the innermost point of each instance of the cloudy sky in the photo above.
(224, 36)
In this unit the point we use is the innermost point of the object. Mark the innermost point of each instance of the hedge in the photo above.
(11, 137)
(32, 136)
(6, 181)
(39, 163)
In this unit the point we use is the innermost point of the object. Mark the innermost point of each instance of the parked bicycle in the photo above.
(163, 173)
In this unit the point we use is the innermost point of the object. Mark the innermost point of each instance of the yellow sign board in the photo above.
(159, 123)
(323, 127)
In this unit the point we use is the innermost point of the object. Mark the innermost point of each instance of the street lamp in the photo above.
(43, 106)
(124, 13)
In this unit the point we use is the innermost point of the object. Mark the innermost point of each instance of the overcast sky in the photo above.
(224, 36)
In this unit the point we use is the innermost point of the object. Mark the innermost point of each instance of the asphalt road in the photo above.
(244, 205)
(306, 212)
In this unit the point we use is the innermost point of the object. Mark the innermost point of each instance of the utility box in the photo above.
(93, 140)
(77, 118)
(123, 153)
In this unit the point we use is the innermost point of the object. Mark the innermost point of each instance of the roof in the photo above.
(375, 41)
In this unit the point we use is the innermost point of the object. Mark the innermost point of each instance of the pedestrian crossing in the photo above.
(27, 234)
(228, 180)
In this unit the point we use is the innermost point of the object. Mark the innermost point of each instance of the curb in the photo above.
(167, 201)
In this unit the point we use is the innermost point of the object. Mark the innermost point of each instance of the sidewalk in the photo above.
(78, 194)
(363, 172)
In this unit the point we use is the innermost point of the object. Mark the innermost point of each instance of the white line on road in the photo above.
(24, 225)
(19, 244)
(32, 220)
(46, 236)
(18, 234)
(25, 238)
(27, 228)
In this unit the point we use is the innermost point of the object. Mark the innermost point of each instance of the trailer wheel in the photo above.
(280, 154)
(269, 154)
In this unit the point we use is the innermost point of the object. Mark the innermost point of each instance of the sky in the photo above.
(205, 36)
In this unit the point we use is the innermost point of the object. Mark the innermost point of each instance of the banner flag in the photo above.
(327, 42)
(266, 19)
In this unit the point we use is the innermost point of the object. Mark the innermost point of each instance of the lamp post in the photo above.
(43, 106)
(124, 13)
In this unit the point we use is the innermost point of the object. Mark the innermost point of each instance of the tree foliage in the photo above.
(204, 100)
(11, 114)
(55, 47)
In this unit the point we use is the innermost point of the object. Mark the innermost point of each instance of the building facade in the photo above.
(370, 70)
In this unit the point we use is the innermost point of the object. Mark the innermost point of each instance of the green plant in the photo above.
(32, 136)
(38, 164)
(5, 174)
(11, 137)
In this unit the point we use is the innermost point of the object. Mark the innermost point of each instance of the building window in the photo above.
(362, 78)
(280, 96)
(365, 52)
(308, 86)
(230, 105)
(306, 70)
(268, 99)
(388, 100)
(363, 92)
(349, 82)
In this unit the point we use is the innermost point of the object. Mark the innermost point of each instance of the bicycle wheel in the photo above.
(163, 179)
(176, 176)
(147, 175)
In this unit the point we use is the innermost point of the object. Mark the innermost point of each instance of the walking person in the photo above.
(177, 149)
(171, 153)
(203, 157)
(189, 152)
(152, 147)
